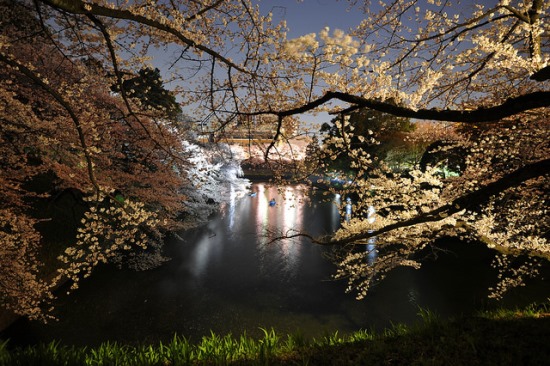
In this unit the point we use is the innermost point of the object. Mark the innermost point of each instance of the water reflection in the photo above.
(232, 198)
(283, 218)
(286, 215)
(335, 214)
(372, 251)
(207, 248)
(253, 223)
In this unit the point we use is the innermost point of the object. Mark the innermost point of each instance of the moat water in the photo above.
(228, 277)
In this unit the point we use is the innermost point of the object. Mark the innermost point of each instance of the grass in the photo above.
(501, 337)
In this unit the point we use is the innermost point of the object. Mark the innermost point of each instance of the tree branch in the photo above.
(508, 108)
(79, 7)
(468, 201)
(541, 75)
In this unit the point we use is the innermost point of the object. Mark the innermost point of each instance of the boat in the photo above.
(253, 194)
(272, 202)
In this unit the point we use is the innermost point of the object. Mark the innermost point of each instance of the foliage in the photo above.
(453, 67)
(213, 177)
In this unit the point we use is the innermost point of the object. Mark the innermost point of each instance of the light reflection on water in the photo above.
(285, 217)
(227, 277)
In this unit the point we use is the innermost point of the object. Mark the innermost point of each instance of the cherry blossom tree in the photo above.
(484, 66)
(486, 70)
(62, 129)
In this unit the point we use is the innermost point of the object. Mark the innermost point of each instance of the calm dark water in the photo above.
(226, 277)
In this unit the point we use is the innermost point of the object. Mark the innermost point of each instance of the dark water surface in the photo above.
(226, 277)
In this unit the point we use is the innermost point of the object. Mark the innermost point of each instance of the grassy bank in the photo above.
(502, 337)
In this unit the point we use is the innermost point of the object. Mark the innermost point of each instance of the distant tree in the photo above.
(147, 86)
(376, 133)
(450, 158)
(425, 134)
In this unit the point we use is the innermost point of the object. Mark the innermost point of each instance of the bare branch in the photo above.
(510, 107)
(79, 7)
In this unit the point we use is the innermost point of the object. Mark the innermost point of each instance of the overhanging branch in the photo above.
(510, 107)
(79, 7)
(468, 201)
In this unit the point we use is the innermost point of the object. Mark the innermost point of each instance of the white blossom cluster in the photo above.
(511, 275)
(360, 276)
(107, 228)
(212, 175)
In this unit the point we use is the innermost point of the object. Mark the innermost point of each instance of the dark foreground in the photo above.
(496, 338)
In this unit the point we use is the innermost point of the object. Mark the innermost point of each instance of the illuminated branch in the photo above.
(510, 107)
(120, 83)
(468, 201)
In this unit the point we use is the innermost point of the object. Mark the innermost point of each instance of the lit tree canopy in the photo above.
(425, 60)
